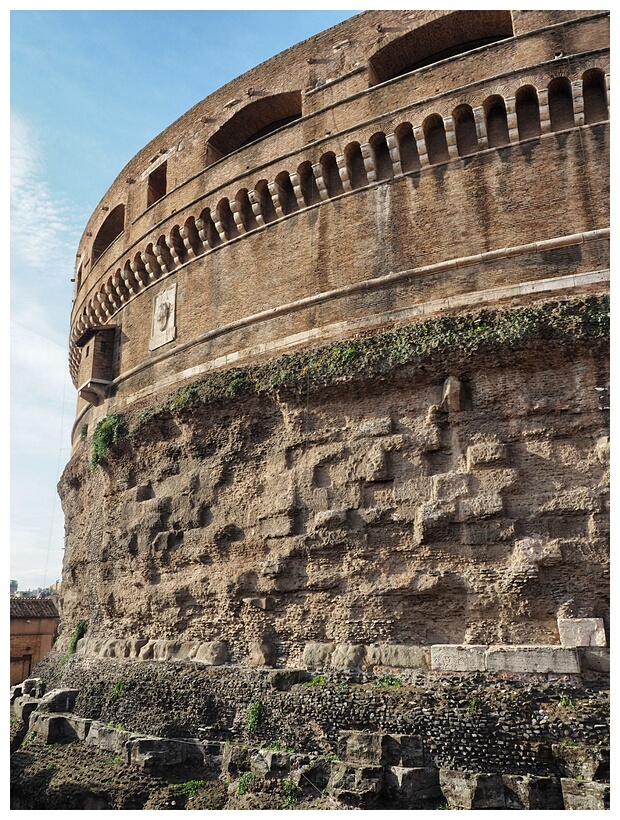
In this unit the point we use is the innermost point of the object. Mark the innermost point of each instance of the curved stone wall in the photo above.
(345, 180)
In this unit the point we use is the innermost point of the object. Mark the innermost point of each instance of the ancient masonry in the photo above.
(340, 342)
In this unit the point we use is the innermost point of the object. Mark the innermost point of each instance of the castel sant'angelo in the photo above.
(339, 338)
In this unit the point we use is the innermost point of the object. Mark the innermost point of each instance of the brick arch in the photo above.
(447, 36)
(254, 121)
(496, 121)
(112, 227)
(528, 112)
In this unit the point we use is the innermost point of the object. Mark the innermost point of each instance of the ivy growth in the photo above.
(255, 714)
(78, 634)
(108, 432)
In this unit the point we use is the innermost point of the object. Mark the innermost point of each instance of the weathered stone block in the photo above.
(464, 790)
(33, 687)
(408, 657)
(594, 658)
(532, 659)
(458, 658)
(412, 788)
(23, 707)
(235, 760)
(262, 653)
(580, 795)
(480, 506)
(49, 728)
(156, 752)
(58, 700)
(76, 728)
(317, 655)
(531, 792)
(582, 632)
(347, 656)
(362, 747)
(276, 526)
(487, 452)
(536, 551)
(449, 486)
(403, 750)
(107, 738)
(356, 785)
(582, 762)
(330, 519)
(211, 653)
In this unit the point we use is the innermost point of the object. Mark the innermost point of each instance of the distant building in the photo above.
(13, 587)
(33, 627)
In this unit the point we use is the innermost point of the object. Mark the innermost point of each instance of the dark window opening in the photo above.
(561, 110)
(594, 96)
(112, 227)
(157, 185)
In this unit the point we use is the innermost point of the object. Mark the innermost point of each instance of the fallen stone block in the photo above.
(581, 795)
(235, 760)
(58, 700)
(157, 752)
(35, 687)
(262, 653)
(107, 738)
(76, 728)
(23, 707)
(211, 653)
(49, 728)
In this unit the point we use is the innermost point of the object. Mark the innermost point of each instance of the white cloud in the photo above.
(44, 235)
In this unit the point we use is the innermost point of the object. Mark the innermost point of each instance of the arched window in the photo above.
(255, 120)
(561, 111)
(383, 162)
(465, 130)
(497, 121)
(331, 175)
(594, 96)
(449, 35)
(113, 226)
(528, 112)
(435, 138)
(355, 165)
(407, 147)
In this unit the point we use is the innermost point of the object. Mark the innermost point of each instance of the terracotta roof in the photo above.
(33, 608)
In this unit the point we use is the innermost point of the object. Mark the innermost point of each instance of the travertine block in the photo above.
(532, 659)
(458, 658)
(582, 632)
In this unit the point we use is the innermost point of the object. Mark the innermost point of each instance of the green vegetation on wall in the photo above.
(377, 354)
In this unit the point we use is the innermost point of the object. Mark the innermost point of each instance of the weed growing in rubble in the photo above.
(188, 789)
(390, 680)
(255, 714)
(567, 702)
(245, 781)
(118, 688)
(291, 793)
(473, 708)
(317, 680)
(78, 634)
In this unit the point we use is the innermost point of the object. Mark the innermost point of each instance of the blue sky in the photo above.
(87, 90)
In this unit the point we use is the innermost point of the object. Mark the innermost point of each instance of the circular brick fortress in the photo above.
(402, 163)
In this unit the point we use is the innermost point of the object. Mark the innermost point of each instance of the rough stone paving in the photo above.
(337, 508)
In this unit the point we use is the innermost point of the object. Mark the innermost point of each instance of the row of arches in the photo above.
(498, 122)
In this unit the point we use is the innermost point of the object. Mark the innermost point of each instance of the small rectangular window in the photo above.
(157, 185)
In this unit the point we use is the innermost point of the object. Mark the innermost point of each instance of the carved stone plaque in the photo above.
(163, 328)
